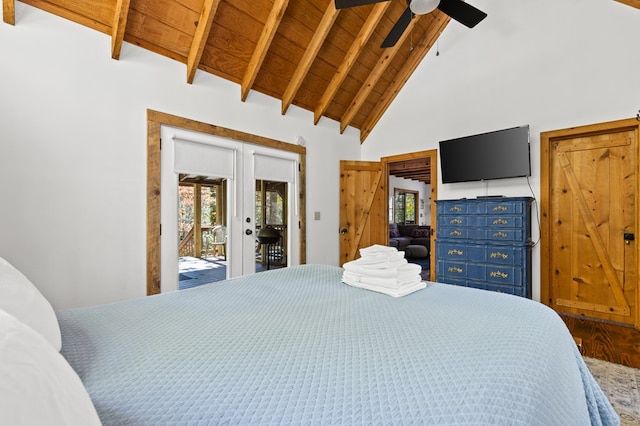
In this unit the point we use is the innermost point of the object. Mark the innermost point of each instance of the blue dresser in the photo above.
(485, 243)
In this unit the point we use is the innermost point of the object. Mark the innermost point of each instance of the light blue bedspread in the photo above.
(296, 346)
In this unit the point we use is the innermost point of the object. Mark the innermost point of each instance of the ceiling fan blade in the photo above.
(462, 12)
(397, 30)
(344, 4)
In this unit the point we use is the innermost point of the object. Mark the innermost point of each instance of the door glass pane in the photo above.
(201, 255)
(271, 213)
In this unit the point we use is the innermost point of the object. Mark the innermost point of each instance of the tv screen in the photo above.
(493, 155)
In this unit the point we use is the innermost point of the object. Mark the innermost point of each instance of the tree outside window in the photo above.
(404, 206)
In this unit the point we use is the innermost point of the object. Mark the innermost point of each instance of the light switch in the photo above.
(316, 215)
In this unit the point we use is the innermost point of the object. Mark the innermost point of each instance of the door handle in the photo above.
(628, 237)
(248, 232)
(343, 231)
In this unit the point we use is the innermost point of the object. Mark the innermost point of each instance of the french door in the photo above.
(239, 165)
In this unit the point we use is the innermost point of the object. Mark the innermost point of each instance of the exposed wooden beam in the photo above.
(200, 37)
(329, 17)
(9, 11)
(104, 23)
(384, 61)
(268, 32)
(350, 58)
(119, 27)
(632, 3)
(416, 169)
(403, 75)
(410, 167)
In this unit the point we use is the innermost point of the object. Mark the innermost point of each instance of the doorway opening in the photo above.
(411, 185)
(261, 153)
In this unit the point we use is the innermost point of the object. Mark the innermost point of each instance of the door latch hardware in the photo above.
(628, 237)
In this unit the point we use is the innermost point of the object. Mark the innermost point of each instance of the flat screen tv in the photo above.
(493, 155)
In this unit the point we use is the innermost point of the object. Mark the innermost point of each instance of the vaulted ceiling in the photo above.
(302, 52)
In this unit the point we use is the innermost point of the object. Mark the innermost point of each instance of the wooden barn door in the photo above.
(363, 220)
(592, 222)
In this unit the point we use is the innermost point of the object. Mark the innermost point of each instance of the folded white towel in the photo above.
(354, 267)
(383, 255)
(380, 263)
(391, 283)
(377, 249)
(365, 270)
(403, 291)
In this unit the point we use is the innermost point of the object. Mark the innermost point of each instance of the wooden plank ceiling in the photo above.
(416, 169)
(302, 52)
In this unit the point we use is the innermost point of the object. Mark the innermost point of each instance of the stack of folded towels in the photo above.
(385, 270)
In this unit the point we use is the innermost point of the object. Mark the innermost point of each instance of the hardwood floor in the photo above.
(607, 341)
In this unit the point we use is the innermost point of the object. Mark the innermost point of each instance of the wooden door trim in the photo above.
(155, 120)
(432, 154)
(547, 139)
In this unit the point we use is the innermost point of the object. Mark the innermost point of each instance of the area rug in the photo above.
(621, 384)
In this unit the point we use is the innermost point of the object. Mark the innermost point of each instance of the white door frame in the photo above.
(240, 201)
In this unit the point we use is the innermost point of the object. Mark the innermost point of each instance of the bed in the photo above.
(297, 346)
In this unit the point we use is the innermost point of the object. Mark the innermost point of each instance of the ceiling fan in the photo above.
(456, 9)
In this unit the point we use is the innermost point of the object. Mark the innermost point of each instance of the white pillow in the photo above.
(20, 298)
(38, 386)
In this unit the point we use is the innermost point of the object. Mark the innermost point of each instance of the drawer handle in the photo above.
(456, 252)
(455, 221)
(500, 235)
(498, 255)
(499, 274)
(500, 208)
(455, 269)
(500, 222)
(455, 209)
(455, 233)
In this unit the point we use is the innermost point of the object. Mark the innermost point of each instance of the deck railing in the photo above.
(187, 246)
(277, 250)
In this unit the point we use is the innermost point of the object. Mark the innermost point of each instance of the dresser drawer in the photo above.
(518, 291)
(480, 253)
(506, 275)
(459, 270)
(453, 281)
(506, 207)
(451, 233)
(451, 207)
(506, 255)
(451, 252)
(464, 221)
(504, 221)
(509, 235)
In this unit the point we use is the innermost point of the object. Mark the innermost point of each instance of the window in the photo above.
(404, 206)
(270, 202)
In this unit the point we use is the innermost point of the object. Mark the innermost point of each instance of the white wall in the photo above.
(73, 155)
(547, 63)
